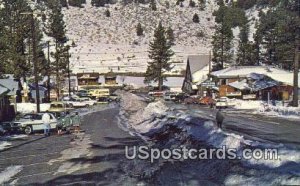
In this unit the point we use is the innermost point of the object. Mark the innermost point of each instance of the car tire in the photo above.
(87, 105)
(71, 105)
(28, 130)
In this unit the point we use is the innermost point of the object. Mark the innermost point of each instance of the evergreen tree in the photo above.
(196, 18)
(139, 30)
(202, 4)
(56, 29)
(278, 34)
(99, 3)
(77, 3)
(160, 54)
(153, 5)
(64, 3)
(107, 13)
(170, 36)
(192, 3)
(222, 44)
(15, 34)
(245, 50)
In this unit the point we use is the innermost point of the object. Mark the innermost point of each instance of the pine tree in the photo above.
(160, 54)
(196, 18)
(15, 34)
(139, 30)
(153, 5)
(202, 4)
(192, 3)
(170, 36)
(107, 13)
(77, 3)
(222, 44)
(56, 29)
(245, 51)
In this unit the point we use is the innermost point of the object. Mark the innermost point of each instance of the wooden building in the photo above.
(197, 69)
(87, 80)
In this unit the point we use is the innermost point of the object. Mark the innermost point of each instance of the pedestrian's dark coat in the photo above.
(219, 118)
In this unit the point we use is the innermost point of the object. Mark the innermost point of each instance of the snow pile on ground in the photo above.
(281, 111)
(271, 179)
(15, 137)
(139, 115)
(8, 173)
(250, 104)
(25, 108)
(4, 145)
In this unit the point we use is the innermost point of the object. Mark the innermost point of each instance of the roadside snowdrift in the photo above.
(156, 121)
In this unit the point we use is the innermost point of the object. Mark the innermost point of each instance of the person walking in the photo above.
(46, 122)
(219, 118)
(76, 122)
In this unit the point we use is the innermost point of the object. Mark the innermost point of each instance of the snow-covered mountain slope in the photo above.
(110, 43)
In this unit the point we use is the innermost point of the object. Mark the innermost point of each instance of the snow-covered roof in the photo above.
(2, 90)
(244, 71)
(11, 85)
(200, 75)
(197, 62)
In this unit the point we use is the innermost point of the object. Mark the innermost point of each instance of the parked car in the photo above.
(114, 97)
(169, 96)
(207, 101)
(224, 102)
(156, 94)
(30, 123)
(83, 93)
(192, 100)
(180, 97)
(97, 93)
(58, 106)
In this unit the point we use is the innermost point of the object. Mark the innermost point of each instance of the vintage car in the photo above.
(30, 123)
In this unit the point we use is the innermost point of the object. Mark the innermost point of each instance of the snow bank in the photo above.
(271, 179)
(4, 145)
(138, 114)
(280, 111)
(148, 120)
(9, 172)
(31, 107)
(250, 104)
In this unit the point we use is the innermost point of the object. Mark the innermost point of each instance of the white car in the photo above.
(79, 102)
(88, 101)
(224, 102)
(30, 123)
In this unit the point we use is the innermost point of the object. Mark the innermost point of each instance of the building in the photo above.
(197, 69)
(88, 80)
(7, 94)
(110, 79)
(14, 88)
(254, 82)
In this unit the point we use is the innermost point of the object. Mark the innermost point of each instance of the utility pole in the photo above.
(296, 62)
(48, 72)
(209, 63)
(69, 77)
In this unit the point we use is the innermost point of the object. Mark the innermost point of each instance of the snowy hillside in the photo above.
(110, 43)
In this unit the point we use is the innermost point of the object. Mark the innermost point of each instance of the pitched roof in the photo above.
(3, 90)
(276, 74)
(11, 85)
(198, 62)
